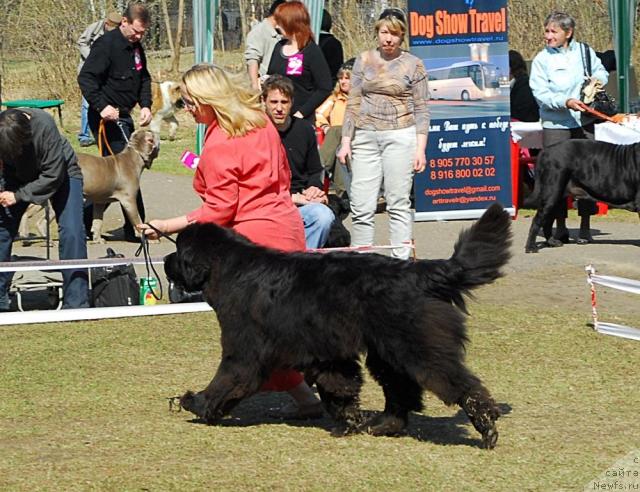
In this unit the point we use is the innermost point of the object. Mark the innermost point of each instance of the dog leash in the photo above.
(603, 116)
(102, 136)
(124, 134)
(148, 263)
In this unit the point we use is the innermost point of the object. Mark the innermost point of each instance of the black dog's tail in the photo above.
(479, 254)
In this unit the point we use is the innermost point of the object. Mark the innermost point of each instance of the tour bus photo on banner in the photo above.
(464, 47)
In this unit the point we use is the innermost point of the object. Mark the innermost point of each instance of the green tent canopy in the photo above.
(623, 16)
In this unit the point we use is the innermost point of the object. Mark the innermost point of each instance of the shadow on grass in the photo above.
(453, 430)
(599, 236)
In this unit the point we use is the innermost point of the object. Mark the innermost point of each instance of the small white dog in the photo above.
(166, 102)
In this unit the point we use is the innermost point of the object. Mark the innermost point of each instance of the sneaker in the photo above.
(87, 143)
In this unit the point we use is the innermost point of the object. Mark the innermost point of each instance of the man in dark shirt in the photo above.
(523, 105)
(113, 79)
(37, 165)
(299, 140)
(331, 47)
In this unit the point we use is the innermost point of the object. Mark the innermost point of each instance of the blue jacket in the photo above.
(557, 75)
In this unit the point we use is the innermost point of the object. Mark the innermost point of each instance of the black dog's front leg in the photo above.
(339, 384)
(229, 386)
(542, 220)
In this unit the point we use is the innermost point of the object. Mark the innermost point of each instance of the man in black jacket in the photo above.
(331, 47)
(38, 164)
(113, 79)
(299, 141)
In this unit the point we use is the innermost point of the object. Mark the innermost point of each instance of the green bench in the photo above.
(37, 103)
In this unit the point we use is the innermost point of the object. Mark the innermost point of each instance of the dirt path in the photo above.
(554, 277)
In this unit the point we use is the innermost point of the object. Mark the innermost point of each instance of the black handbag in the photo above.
(602, 102)
(114, 285)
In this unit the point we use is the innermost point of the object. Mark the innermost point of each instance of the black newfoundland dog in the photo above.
(587, 169)
(320, 312)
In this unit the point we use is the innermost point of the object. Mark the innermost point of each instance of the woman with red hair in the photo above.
(299, 58)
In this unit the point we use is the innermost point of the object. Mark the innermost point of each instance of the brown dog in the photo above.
(116, 178)
(166, 102)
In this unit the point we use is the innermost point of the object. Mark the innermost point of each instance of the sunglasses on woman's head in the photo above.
(393, 12)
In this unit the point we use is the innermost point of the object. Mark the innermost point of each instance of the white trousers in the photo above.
(382, 157)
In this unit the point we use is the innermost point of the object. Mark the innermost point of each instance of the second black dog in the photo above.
(587, 169)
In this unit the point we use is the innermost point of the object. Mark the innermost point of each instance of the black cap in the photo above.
(393, 12)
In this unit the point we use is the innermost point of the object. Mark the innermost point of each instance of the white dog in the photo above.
(166, 102)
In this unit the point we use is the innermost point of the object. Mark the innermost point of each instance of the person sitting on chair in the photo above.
(329, 117)
(299, 140)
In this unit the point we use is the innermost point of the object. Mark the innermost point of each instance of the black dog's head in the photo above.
(196, 256)
(339, 206)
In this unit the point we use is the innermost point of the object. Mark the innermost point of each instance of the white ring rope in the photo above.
(619, 283)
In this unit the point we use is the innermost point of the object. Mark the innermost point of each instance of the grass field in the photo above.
(84, 407)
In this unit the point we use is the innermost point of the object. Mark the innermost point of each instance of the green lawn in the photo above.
(84, 407)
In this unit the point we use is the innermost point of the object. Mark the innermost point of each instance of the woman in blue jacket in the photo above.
(557, 75)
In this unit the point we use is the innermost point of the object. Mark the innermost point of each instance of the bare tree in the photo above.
(242, 6)
(174, 43)
(175, 61)
(167, 24)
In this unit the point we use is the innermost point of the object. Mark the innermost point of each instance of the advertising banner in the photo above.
(464, 47)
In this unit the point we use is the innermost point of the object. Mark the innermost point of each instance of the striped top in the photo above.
(387, 95)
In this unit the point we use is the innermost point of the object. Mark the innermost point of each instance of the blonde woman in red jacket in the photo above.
(243, 178)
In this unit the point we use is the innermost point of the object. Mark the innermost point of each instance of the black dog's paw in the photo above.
(194, 403)
(490, 438)
(531, 249)
(386, 425)
(344, 430)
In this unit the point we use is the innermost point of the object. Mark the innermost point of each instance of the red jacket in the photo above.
(244, 184)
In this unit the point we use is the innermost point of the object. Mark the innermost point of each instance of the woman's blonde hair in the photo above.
(237, 108)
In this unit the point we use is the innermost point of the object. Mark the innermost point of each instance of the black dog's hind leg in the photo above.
(402, 395)
(542, 220)
(483, 413)
(339, 385)
(453, 383)
(231, 384)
